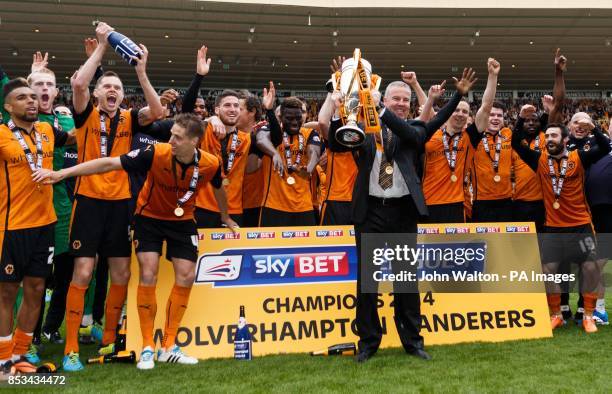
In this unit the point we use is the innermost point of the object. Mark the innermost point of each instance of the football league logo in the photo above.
(218, 268)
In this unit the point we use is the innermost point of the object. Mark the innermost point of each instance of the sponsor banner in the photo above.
(298, 289)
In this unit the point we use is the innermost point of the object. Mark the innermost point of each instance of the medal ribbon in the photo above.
(192, 183)
(498, 144)
(451, 155)
(34, 165)
(298, 157)
(557, 185)
(228, 159)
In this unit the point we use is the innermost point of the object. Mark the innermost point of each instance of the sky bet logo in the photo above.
(517, 229)
(428, 230)
(220, 236)
(457, 230)
(261, 235)
(300, 265)
(329, 233)
(483, 229)
(296, 234)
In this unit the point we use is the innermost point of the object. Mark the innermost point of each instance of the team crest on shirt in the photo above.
(133, 153)
(45, 138)
(571, 165)
(9, 269)
(586, 147)
(76, 244)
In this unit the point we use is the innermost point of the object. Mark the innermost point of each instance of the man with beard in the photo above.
(287, 198)
(101, 209)
(492, 162)
(26, 234)
(527, 203)
(234, 149)
(569, 236)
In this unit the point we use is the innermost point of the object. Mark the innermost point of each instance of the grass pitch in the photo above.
(571, 361)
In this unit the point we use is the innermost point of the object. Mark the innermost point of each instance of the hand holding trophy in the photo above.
(355, 83)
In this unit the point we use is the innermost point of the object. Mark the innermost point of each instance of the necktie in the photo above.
(385, 174)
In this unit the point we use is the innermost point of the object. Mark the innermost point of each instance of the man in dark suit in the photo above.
(387, 198)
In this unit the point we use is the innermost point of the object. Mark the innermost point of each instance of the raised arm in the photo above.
(82, 78)
(435, 92)
(482, 116)
(274, 128)
(463, 86)
(556, 113)
(154, 109)
(325, 114)
(202, 69)
(520, 146)
(411, 79)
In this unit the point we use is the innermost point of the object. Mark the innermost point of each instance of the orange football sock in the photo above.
(74, 313)
(554, 303)
(589, 303)
(114, 306)
(21, 342)
(6, 348)
(147, 308)
(175, 309)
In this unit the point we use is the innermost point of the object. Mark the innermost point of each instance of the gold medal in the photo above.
(178, 212)
(556, 205)
(290, 180)
(389, 170)
(225, 181)
(453, 178)
(497, 178)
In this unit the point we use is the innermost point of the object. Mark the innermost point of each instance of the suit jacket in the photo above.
(409, 140)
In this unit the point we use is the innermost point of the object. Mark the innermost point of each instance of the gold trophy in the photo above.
(355, 82)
